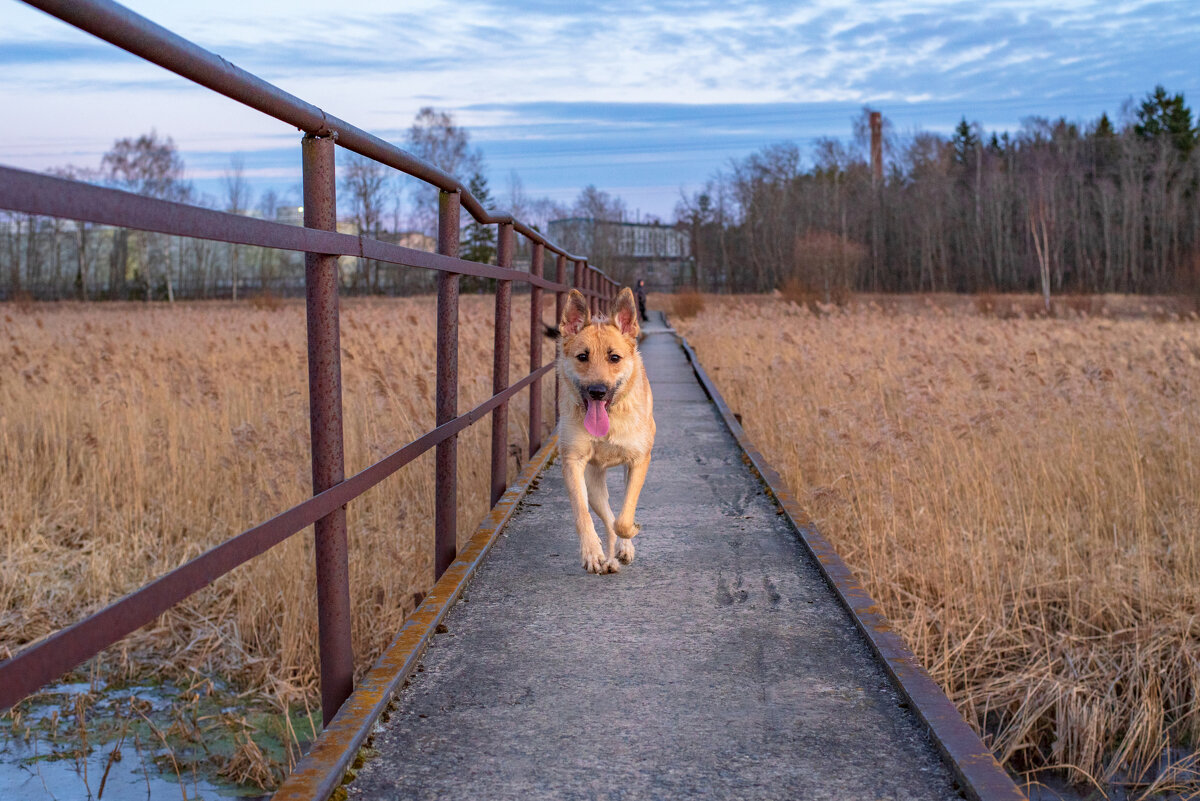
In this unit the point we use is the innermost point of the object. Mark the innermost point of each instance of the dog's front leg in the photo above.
(590, 551)
(595, 477)
(634, 479)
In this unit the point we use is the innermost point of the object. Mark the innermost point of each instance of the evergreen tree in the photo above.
(965, 141)
(1106, 148)
(1163, 115)
(479, 240)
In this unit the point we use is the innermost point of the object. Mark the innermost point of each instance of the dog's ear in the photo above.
(575, 314)
(625, 313)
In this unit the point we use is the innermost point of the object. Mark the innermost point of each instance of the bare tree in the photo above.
(435, 138)
(149, 166)
(237, 201)
(268, 260)
(13, 251)
(364, 183)
(82, 231)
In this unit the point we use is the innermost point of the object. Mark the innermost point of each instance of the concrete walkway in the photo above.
(718, 665)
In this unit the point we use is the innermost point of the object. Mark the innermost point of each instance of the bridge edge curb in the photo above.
(320, 772)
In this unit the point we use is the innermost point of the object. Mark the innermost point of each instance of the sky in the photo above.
(645, 101)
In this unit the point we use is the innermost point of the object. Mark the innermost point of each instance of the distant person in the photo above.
(640, 294)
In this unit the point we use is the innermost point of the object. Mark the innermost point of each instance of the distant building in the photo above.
(660, 254)
(294, 215)
(290, 215)
(407, 280)
(391, 277)
(411, 239)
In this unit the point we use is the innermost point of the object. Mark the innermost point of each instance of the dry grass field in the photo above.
(134, 437)
(1022, 496)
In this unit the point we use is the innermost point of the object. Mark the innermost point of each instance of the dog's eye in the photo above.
(582, 357)
(614, 357)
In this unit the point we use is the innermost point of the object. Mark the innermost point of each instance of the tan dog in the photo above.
(606, 419)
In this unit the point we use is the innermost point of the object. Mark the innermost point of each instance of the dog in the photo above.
(606, 420)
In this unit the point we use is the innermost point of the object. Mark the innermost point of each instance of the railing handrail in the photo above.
(136, 34)
(47, 195)
(41, 194)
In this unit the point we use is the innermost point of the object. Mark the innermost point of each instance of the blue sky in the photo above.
(642, 100)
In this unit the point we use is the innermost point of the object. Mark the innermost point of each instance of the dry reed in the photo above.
(133, 437)
(686, 304)
(1022, 496)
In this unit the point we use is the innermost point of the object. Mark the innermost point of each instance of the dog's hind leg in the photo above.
(590, 551)
(597, 490)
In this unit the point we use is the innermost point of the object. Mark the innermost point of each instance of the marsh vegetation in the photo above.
(1019, 493)
(133, 438)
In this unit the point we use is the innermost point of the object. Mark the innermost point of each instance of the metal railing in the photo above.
(39, 194)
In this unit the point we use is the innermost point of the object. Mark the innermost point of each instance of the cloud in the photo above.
(43, 53)
(604, 92)
(697, 51)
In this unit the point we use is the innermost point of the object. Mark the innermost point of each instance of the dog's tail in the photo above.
(551, 331)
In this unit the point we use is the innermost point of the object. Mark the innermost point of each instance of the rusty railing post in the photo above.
(446, 456)
(560, 297)
(578, 279)
(586, 289)
(325, 420)
(500, 352)
(536, 258)
(560, 303)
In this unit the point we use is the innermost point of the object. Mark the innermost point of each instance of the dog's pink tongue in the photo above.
(596, 418)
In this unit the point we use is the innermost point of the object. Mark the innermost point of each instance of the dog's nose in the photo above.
(597, 391)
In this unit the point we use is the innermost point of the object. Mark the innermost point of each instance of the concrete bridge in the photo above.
(725, 662)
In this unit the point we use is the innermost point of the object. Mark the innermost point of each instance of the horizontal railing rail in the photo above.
(32, 193)
(37, 193)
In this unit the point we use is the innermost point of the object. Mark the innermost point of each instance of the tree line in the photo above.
(49, 258)
(1054, 207)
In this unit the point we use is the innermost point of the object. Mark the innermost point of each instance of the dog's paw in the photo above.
(626, 531)
(594, 561)
(625, 551)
